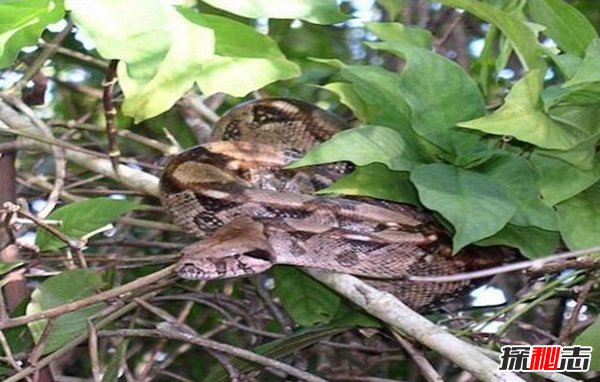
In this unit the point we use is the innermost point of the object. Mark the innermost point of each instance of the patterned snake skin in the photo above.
(251, 214)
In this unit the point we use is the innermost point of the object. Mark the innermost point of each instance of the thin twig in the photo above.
(93, 350)
(531, 265)
(75, 54)
(121, 291)
(427, 370)
(173, 333)
(59, 155)
(584, 291)
(70, 242)
(393, 312)
(108, 86)
(47, 51)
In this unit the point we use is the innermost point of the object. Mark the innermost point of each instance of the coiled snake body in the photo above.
(251, 214)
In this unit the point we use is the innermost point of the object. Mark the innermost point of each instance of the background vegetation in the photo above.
(483, 112)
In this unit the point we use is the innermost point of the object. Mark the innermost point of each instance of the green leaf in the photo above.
(58, 290)
(582, 118)
(579, 219)
(377, 181)
(80, 218)
(591, 337)
(314, 11)
(160, 51)
(23, 23)
(589, 70)
(440, 94)
(277, 349)
(586, 94)
(475, 204)
(396, 32)
(522, 116)
(362, 146)
(521, 37)
(239, 66)
(520, 180)
(560, 180)
(305, 299)
(533, 242)
(377, 88)
(564, 24)
(375, 99)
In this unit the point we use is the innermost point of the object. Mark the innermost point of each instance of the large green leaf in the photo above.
(81, 218)
(440, 94)
(589, 70)
(533, 242)
(520, 35)
(579, 219)
(475, 204)
(59, 290)
(22, 23)
(364, 145)
(239, 66)
(520, 180)
(564, 24)
(560, 180)
(373, 95)
(165, 50)
(305, 299)
(160, 51)
(523, 117)
(377, 181)
(315, 11)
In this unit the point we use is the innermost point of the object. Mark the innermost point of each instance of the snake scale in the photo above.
(251, 213)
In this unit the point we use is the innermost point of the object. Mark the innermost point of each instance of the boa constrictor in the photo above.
(251, 213)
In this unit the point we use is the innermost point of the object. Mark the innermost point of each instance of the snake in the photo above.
(250, 212)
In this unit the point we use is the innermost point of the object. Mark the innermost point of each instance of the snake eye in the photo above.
(259, 254)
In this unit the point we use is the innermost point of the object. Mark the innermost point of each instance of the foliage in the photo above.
(510, 162)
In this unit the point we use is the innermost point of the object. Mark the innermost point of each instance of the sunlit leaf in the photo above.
(315, 11)
(239, 66)
(22, 24)
(160, 51)
(396, 32)
(589, 70)
(523, 117)
(364, 145)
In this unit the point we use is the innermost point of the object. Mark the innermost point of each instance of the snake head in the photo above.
(238, 248)
(235, 265)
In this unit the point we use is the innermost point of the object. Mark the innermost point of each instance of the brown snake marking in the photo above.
(252, 214)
